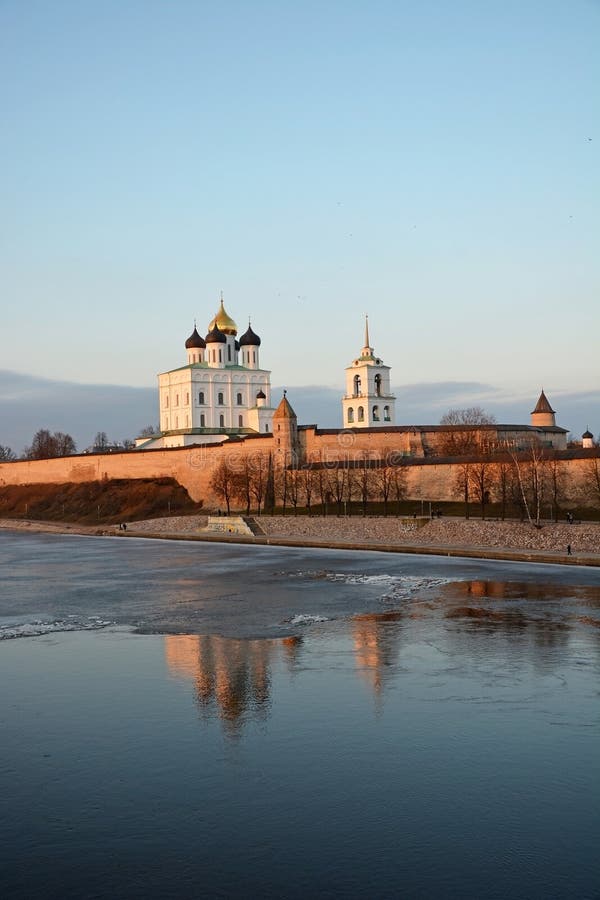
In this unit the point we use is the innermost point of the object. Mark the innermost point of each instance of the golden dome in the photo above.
(223, 321)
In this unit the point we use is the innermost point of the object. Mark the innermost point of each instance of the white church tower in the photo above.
(368, 402)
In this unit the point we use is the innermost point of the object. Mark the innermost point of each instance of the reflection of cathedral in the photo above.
(230, 673)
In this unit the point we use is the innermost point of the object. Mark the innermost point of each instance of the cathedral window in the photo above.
(187, 399)
(220, 356)
(201, 398)
(239, 399)
(187, 421)
(202, 420)
(254, 356)
(220, 399)
(351, 414)
(361, 414)
(176, 399)
(176, 421)
(166, 400)
(386, 414)
(378, 385)
(267, 428)
(376, 414)
(357, 385)
(241, 421)
(222, 421)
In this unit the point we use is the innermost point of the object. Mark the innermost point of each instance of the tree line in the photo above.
(49, 445)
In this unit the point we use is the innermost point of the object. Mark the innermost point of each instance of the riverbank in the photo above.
(514, 541)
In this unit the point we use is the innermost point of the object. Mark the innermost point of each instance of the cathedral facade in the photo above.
(221, 391)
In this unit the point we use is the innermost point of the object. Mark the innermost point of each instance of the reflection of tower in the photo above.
(375, 646)
(233, 674)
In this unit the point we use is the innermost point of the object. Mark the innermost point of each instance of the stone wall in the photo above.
(192, 467)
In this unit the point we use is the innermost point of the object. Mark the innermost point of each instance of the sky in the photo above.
(432, 164)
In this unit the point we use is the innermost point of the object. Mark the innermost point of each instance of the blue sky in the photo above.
(434, 164)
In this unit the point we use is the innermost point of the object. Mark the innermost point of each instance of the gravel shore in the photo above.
(445, 532)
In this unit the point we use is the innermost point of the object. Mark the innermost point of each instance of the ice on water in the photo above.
(38, 627)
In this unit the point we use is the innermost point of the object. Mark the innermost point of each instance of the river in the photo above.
(199, 720)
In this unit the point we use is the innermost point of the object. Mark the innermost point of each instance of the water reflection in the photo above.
(231, 676)
(521, 590)
(376, 646)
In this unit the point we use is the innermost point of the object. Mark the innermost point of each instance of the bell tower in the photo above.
(368, 401)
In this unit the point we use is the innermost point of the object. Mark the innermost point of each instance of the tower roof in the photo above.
(215, 336)
(284, 410)
(249, 338)
(195, 341)
(223, 321)
(587, 434)
(542, 406)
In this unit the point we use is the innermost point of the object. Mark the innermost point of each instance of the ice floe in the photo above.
(301, 619)
(38, 627)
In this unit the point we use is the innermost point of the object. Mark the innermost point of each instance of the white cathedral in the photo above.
(221, 390)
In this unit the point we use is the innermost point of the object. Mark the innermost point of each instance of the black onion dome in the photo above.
(215, 336)
(249, 339)
(587, 434)
(261, 395)
(195, 341)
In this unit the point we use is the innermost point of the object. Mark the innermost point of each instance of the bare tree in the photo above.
(399, 485)
(336, 479)
(6, 454)
(502, 483)
(223, 480)
(149, 430)
(242, 482)
(556, 478)
(48, 446)
(259, 467)
(591, 480)
(295, 480)
(101, 441)
(462, 481)
(466, 434)
(472, 415)
(480, 475)
(530, 469)
(383, 477)
(309, 482)
(362, 477)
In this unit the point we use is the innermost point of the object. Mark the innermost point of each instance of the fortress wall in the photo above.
(192, 467)
(325, 446)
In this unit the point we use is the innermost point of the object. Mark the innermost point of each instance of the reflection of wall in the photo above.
(233, 674)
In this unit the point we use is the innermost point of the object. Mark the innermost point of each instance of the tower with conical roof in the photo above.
(285, 433)
(543, 416)
(368, 401)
